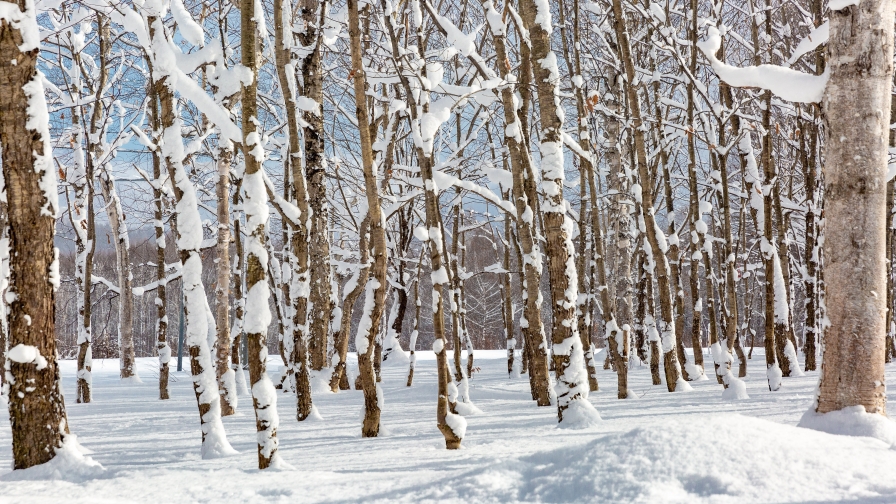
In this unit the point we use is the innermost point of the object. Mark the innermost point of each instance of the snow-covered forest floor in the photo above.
(661, 447)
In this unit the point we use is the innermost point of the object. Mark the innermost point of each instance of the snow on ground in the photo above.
(660, 447)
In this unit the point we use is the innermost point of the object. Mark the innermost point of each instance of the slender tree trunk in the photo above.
(121, 244)
(534, 342)
(415, 332)
(698, 226)
(860, 58)
(255, 207)
(298, 230)
(668, 336)
(506, 298)
(354, 288)
(189, 243)
(574, 65)
(320, 310)
(161, 303)
(226, 376)
(376, 284)
(85, 241)
(237, 335)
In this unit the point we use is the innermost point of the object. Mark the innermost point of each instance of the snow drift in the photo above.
(718, 458)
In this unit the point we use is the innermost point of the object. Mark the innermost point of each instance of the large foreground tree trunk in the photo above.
(858, 94)
(36, 407)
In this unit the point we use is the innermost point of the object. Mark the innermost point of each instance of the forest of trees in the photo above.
(232, 179)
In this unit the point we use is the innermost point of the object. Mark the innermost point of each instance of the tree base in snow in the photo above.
(852, 421)
(70, 463)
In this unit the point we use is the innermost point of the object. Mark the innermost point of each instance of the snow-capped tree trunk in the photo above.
(412, 346)
(860, 59)
(298, 230)
(567, 354)
(226, 376)
(161, 302)
(189, 242)
(468, 342)
(127, 355)
(787, 343)
(583, 303)
(620, 226)
(674, 239)
(730, 306)
(812, 245)
(617, 338)
(36, 407)
(376, 285)
(255, 207)
(655, 241)
(698, 226)
(810, 281)
(353, 289)
(454, 292)
(85, 240)
(458, 330)
(506, 296)
(320, 311)
(775, 367)
(531, 325)
(237, 335)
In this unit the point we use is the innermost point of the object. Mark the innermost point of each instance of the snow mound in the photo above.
(695, 372)
(467, 408)
(320, 381)
(852, 421)
(683, 386)
(742, 459)
(737, 389)
(397, 357)
(132, 380)
(580, 415)
(69, 464)
(315, 415)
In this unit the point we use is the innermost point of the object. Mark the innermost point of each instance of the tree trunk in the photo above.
(860, 59)
(586, 168)
(668, 336)
(189, 243)
(567, 354)
(255, 207)
(298, 230)
(376, 284)
(121, 244)
(320, 309)
(534, 342)
(226, 376)
(415, 332)
(354, 288)
(36, 407)
(237, 336)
